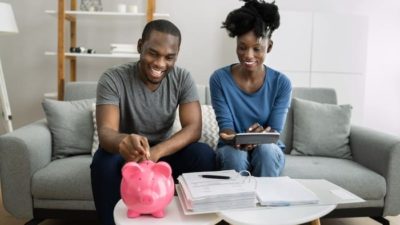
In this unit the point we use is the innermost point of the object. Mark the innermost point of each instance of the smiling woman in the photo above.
(248, 96)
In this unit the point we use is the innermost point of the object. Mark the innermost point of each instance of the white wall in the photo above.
(29, 73)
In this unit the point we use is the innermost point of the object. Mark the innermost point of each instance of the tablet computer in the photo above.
(256, 138)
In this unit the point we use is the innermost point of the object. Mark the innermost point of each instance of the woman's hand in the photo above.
(255, 128)
(228, 137)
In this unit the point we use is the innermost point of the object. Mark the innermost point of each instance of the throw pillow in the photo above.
(95, 144)
(321, 129)
(71, 126)
(210, 129)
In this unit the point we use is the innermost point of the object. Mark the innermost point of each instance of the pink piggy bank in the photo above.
(147, 188)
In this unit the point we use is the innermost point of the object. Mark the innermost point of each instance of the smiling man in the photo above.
(136, 108)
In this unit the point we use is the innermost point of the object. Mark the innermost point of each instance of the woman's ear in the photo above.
(139, 46)
(270, 44)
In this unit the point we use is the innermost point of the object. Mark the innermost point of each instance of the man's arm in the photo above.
(190, 118)
(132, 147)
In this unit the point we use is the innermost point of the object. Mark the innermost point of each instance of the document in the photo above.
(200, 187)
(217, 190)
(283, 191)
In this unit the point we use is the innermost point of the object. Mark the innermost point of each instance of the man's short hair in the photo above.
(164, 26)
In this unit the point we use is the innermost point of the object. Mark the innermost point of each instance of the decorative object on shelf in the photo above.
(121, 8)
(132, 9)
(82, 50)
(123, 48)
(91, 5)
(7, 26)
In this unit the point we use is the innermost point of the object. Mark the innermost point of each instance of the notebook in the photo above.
(283, 191)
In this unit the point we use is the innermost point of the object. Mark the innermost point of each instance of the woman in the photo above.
(249, 96)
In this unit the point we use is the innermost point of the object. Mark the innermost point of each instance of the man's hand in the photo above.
(134, 148)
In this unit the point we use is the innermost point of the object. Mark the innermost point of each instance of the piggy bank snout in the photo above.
(147, 198)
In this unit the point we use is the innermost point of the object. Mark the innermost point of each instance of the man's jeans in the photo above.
(266, 160)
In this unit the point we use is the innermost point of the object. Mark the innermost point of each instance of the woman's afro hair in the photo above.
(257, 15)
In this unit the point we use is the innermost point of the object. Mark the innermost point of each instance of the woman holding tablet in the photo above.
(248, 96)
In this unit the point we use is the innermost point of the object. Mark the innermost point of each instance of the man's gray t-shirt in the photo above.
(142, 111)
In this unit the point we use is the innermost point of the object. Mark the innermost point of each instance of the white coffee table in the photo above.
(173, 216)
(277, 215)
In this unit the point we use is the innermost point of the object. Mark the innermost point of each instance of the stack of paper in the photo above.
(211, 194)
(123, 48)
(283, 191)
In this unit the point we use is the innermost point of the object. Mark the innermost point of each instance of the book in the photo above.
(283, 191)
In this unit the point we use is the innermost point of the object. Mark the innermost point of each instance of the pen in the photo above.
(215, 176)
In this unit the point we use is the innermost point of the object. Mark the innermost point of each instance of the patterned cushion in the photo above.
(95, 143)
(209, 134)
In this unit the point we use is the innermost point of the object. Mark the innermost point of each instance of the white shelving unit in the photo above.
(71, 15)
(81, 14)
(95, 55)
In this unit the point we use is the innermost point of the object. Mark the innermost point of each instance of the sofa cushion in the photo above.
(71, 126)
(210, 129)
(321, 129)
(346, 173)
(64, 179)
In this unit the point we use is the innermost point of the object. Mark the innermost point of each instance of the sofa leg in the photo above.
(34, 221)
(381, 220)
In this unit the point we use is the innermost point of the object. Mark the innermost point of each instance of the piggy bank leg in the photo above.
(132, 214)
(158, 214)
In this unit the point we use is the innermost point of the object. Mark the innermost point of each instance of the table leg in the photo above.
(315, 222)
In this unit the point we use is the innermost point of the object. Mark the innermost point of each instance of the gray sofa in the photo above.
(34, 186)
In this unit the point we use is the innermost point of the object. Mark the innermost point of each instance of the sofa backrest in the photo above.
(80, 90)
(83, 90)
(87, 89)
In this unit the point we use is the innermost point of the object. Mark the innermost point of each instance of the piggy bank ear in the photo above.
(131, 169)
(162, 168)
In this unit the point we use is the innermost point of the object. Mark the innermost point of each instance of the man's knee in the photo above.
(200, 150)
(105, 163)
(193, 158)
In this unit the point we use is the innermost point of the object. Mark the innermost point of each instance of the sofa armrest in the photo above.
(22, 153)
(379, 152)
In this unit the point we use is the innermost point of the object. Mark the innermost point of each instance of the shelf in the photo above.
(70, 18)
(104, 13)
(96, 55)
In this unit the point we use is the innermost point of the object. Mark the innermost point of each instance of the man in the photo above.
(136, 107)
